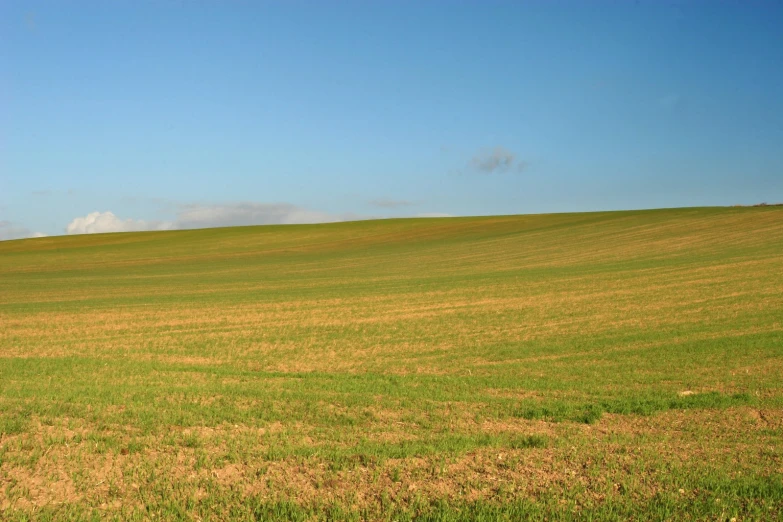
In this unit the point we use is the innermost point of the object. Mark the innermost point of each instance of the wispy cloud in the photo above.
(11, 230)
(238, 214)
(497, 160)
(196, 215)
(433, 215)
(391, 203)
(99, 222)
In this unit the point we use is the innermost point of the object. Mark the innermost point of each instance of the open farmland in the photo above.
(606, 365)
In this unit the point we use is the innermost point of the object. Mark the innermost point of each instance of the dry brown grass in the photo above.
(596, 457)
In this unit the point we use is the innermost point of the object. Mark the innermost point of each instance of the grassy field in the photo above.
(608, 365)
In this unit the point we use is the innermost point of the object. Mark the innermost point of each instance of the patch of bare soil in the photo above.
(595, 458)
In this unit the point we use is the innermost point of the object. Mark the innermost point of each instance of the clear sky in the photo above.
(177, 114)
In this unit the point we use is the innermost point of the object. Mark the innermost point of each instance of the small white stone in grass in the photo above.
(682, 491)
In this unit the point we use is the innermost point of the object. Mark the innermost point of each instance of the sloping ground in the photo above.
(615, 364)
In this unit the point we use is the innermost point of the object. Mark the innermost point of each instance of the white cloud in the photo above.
(98, 222)
(191, 216)
(239, 214)
(207, 216)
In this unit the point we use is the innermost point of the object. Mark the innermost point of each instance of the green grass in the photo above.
(607, 365)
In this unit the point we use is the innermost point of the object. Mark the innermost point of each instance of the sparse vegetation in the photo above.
(618, 365)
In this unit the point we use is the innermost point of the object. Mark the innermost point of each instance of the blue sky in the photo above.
(175, 114)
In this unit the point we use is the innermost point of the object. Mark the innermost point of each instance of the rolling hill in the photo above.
(606, 365)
